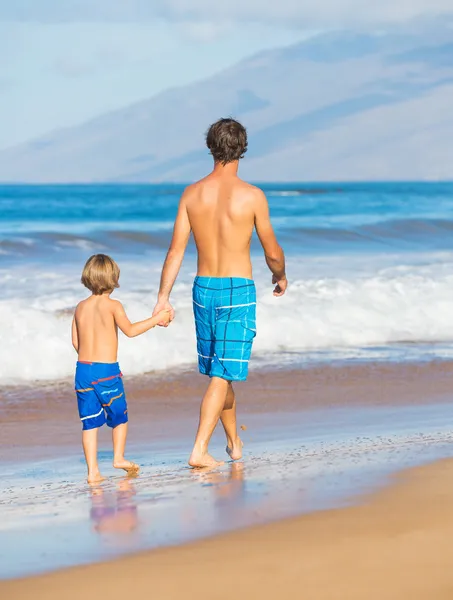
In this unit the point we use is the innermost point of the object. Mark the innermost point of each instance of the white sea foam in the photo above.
(354, 308)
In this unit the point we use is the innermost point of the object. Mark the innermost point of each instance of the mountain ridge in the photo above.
(340, 106)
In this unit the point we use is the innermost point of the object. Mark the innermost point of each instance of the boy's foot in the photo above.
(199, 460)
(235, 450)
(95, 478)
(127, 465)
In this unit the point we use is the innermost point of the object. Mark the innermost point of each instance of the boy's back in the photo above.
(96, 329)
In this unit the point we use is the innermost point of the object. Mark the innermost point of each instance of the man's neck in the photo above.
(228, 170)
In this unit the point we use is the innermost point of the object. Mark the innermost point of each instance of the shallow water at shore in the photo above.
(293, 463)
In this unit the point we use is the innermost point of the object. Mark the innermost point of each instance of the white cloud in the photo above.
(203, 31)
(71, 67)
(301, 13)
(306, 14)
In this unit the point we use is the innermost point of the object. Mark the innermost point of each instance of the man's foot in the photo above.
(235, 450)
(131, 468)
(94, 478)
(199, 460)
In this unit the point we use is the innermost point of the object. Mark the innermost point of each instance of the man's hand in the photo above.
(281, 286)
(164, 305)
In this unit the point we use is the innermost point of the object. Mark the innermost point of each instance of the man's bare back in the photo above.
(221, 212)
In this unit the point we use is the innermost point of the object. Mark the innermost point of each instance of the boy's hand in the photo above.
(163, 306)
(281, 286)
(164, 316)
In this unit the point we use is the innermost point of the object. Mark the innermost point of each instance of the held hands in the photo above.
(281, 286)
(165, 317)
(167, 311)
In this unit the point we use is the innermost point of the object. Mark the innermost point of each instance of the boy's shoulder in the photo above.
(113, 305)
(80, 305)
(107, 304)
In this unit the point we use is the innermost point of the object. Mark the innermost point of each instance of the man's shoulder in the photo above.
(249, 191)
(190, 192)
(252, 189)
(194, 187)
(241, 188)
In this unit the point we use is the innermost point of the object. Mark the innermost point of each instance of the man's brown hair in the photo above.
(100, 274)
(227, 141)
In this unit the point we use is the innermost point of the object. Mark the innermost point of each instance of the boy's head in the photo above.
(227, 141)
(100, 274)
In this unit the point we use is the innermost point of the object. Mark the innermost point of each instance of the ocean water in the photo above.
(370, 269)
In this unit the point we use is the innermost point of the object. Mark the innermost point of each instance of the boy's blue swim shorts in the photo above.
(100, 394)
(225, 321)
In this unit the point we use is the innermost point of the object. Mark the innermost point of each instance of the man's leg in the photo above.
(90, 449)
(212, 406)
(228, 418)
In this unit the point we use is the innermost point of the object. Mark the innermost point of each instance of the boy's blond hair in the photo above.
(100, 274)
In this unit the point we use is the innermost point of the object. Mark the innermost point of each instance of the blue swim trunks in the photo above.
(100, 394)
(225, 322)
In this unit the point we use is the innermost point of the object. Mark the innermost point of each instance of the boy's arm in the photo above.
(134, 329)
(75, 337)
(273, 252)
(175, 255)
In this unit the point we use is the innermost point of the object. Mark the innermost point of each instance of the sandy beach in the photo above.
(164, 407)
(317, 442)
(396, 545)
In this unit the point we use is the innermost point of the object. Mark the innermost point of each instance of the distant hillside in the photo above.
(339, 106)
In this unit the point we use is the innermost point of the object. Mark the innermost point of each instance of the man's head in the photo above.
(227, 141)
(100, 274)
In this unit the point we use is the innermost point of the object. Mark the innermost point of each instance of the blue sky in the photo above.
(70, 60)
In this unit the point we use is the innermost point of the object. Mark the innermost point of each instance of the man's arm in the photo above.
(134, 329)
(273, 252)
(175, 255)
(75, 337)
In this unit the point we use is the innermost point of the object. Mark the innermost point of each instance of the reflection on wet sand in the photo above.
(317, 460)
(114, 512)
(227, 485)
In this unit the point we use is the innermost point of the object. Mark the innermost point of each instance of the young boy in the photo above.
(100, 392)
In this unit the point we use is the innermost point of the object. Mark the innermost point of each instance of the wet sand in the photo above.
(397, 545)
(294, 463)
(40, 421)
(316, 439)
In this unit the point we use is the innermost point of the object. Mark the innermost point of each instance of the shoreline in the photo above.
(315, 439)
(395, 544)
(163, 407)
(297, 460)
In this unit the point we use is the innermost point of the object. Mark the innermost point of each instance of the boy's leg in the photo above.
(90, 449)
(113, 397)
(228, 418)
(119, 436)
(211, 408)
(91, 416)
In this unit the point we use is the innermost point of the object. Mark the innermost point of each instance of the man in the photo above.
(221, 210)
